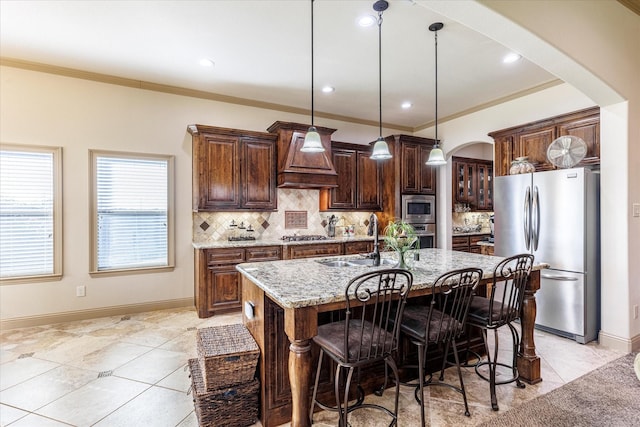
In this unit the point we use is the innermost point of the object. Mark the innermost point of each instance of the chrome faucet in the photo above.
(373, 231)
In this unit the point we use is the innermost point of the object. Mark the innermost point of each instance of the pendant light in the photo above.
(436, 157)
(380, 148)
(312, 141)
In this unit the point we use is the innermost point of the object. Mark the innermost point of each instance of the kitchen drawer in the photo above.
(359, 247)
(460, 243)
(314, 250)
(225, 256)
(473, 240)
(266, 253)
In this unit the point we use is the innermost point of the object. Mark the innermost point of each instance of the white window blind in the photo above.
(28, 229)
(131, 212)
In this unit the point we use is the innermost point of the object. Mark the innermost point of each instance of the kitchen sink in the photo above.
(334, 263)
(354, 262)
(369, 262)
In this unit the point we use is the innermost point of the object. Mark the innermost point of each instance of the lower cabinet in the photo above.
(359, 247)
(486, 249)
(218, 286)
(310, 250)
(468, 243)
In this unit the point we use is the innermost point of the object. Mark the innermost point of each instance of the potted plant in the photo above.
(401, 237)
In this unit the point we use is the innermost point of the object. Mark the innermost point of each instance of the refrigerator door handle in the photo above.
(527, 217)
(557, 277)
(535, 219)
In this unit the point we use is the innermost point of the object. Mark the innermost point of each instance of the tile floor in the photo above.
(130, 371)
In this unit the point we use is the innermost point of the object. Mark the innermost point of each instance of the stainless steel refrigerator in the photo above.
(555, 216)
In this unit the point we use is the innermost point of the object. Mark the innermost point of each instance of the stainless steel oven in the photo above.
(419, 209)
(426, 234)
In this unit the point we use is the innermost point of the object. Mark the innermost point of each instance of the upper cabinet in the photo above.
(472, 183)
(233, 169)
(533, 139)
(359, 180)
(405, 173)
(303, 170)
(416, 176)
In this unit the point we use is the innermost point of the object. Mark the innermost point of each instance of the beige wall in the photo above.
(78, 115)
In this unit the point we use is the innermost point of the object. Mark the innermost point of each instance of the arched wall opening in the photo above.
(583, 59)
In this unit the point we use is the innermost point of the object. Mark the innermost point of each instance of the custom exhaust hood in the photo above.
(297, 169)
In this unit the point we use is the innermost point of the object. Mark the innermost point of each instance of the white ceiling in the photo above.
(262, 52)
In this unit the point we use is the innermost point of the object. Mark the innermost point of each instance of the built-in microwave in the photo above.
(419, 209)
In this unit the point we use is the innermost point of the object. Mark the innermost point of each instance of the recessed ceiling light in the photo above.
(205, 62)
(328, 89)
(367, 20)
(406, 105)
(511, 57)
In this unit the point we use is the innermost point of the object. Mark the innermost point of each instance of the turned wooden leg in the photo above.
(300, 380)
(528, 361)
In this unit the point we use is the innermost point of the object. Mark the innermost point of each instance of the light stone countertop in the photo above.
(275, 242)
(471, 233)
(306, 282)
(484, 243)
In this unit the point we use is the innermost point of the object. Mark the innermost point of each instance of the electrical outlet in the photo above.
(636, 210)
(635, 311)
(81, 291)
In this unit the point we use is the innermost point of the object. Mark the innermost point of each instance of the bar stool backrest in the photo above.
(510, 280)
(375, 303)
(453, 292)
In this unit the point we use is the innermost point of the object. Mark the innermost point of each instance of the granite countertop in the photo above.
(484, 243)
(275, 242)
(471, 233)
(307, 282)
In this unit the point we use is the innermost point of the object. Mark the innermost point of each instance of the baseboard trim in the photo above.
(71, 316)
(621, 344)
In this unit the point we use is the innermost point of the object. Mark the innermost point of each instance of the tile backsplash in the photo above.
(460, 219)
(214, 226)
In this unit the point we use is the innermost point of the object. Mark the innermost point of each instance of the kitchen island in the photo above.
(284, 301)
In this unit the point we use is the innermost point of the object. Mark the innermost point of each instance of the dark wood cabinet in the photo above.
(217, 282)
(533, 139)
(359, 180)
(416, 176)
(468, 243)
(233, 169)
(358, 247)
(484, 193)
(472, 182)
(405, 173)
(310, 250)
(313, 250)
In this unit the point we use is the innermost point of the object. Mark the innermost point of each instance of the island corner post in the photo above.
(301, 325)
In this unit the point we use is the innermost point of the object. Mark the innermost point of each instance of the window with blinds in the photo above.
(30, 213)
(131, 219)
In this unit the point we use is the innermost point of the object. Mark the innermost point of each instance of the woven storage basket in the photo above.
(228, 355)
(235, 406)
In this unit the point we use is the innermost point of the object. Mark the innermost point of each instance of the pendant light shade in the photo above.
(312, 141)
(436, 157)
(380, 148)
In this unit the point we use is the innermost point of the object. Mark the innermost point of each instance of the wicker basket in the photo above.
(235, 406)
(228, 355)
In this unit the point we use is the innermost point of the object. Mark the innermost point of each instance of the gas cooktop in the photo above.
(303, 237)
